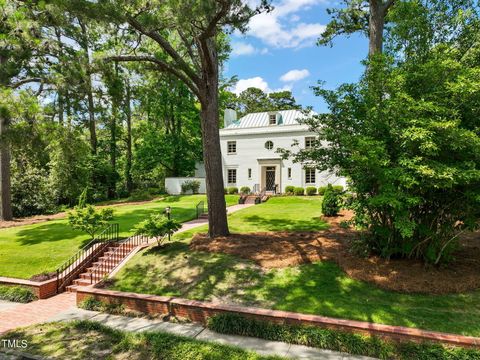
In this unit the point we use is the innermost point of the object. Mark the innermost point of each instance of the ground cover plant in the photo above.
(319, 288)
(29, 250)
(80, 340)
(337, 340)
(16, 294)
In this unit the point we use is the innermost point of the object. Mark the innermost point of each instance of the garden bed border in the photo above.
(200, 311)
(41, 289)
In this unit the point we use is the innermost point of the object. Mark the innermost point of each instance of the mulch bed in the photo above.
(282, 249)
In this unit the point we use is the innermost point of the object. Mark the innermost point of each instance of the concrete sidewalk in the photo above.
(260, 346)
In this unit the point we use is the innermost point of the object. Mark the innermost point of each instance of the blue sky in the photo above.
(279, 52)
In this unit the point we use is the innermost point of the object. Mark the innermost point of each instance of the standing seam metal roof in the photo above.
(261, 119)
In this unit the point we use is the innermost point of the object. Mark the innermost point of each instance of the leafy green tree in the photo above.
(253, 100)
(185, 39)
(283, 100)
(87, 218)
(157, 226)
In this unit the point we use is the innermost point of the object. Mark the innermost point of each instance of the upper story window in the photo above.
(272, 119)
(249, 173)
(231, 147)
(269, 145)
(310, 175)
(289, 173)
(309, 142)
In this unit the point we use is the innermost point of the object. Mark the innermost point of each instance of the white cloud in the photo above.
(241, 48)
(256, 82)
(294, 75)
(273, 28)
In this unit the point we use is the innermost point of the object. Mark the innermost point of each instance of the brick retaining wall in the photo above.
(200, 311)
(41, 289)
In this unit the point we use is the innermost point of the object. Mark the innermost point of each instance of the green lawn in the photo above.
(319, 288)
(33, 249)
(80, 340)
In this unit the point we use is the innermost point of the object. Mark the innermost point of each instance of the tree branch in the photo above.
(24, 81)
(165, 45)
(162, 65)
(212, 25)
(387, 6)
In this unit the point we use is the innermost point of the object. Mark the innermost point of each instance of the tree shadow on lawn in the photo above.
(48, 232)
(278, 224)
(320, 288)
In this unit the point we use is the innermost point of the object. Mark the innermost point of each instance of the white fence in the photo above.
(173, 185)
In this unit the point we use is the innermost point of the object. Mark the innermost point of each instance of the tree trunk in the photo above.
(128, 164)
(91, 105)
(5, 183)
(376, 25)
(212, 155)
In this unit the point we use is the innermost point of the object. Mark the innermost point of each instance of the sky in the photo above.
(279, 52)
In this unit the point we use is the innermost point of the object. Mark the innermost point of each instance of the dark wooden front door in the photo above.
(270, 178)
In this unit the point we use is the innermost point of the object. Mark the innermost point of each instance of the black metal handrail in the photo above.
(200, 208)
(68, 270)
(111, 262)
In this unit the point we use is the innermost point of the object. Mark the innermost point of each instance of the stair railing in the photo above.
(124, 248)
(68, 271)
(200, 208)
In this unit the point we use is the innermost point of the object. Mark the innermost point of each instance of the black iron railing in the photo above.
(200, 208)
(111, 261)
(70, 269)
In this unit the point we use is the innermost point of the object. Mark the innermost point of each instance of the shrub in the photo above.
(190, 185)
(299, 191)
(140, 195)
(290, 190)
(87, 218)
(321, 190)
(90, 303)
(338, 188)
(331, 202)
(232, 190)
(245, 190)
(225, 191)
(336, 340)
(16, 294)
(311, 190)
(157, 226)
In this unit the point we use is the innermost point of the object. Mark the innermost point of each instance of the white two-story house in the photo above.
(249, 154)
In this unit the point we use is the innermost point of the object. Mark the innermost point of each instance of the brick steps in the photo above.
(106, 261)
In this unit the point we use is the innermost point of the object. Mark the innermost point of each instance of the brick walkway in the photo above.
(35, 312)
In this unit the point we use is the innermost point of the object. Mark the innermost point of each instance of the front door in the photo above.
(270, 178)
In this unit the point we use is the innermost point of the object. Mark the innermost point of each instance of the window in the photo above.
(310, 175)
(249, 173)
(231, 147)
(232, 176)
(269, 145)
(309, 142)
(272, 119)
(289, 172)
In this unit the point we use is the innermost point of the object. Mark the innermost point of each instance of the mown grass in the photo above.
(79, 340)
(321, 288)
(29, 250)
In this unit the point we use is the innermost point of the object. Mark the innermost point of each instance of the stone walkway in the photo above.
(260, 346)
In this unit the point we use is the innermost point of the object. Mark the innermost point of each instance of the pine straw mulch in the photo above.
(282, 249)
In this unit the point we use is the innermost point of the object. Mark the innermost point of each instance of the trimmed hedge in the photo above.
(331, 202)
(337, 188)
(232, 190)
(290, 190)
(321, 190)
(299, 191)
(245, 190)
(311, 190)
(16, 294)
(337, 340)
